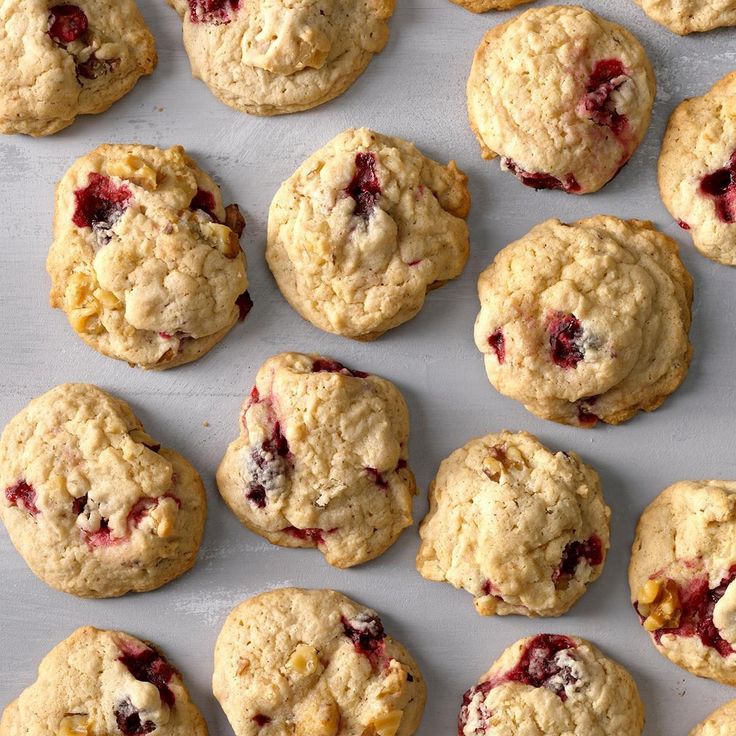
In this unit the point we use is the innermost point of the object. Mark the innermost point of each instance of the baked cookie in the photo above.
(269, 57)
(561, 684)
(588, 321)
(481, 6)
(690, 16)
(314, 663)
(683, 564)
(60, 60)
(363, 229)
(95, 506)
(321, 460)
(146, 262)
(562, 96)
(97, 682)
(504, 492)
(721, 722)
(697, 169)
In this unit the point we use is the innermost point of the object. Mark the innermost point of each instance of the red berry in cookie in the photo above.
(217, 12)
(364, 187)
(67, 23)
(607, 77)
(565, 340)
(101, 203)
(720, 186)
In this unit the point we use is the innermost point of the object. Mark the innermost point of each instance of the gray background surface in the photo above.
(414, 89)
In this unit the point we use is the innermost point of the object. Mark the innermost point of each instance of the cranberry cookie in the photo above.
(60, 60)
(719, 723)
(146, 262)
(316, 663)
(362, 231)
(269, 57)
(563, 96)
(562, 684)
(697, 170)
(321, 460)
(109, 682)
(95, 506)
(507, 492)
(586, 321)
(683, 564)
(690, 16)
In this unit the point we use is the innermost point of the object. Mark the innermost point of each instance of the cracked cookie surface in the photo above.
(322, 459)
(505, 492)
(93, 504)
(690, 16)
(721, 722)
(588, 321)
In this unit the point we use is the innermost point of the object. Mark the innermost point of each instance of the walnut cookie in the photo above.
(690, 16)
(146, 262)
(103, 682)
(721, 722)
(505, 492)
(588, 321)
(363, 229)
(269, 57)
(314, 663)
(562, 96)
(321, 460)
(62, 60)
(95, 506)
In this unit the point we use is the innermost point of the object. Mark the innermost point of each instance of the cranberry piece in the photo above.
(149, 666)
(607, 76)
(683, 224)
(312, 534)
(218, 12)
(140, 509)
(488, 588)
(377, 478)
(497, 341)
(257, 495)
(102, 537)
(590, 550)
(364, 187)
(101, 203)
(539, 665)
(483, 715)
(367, 634)
(245, 304)
(721, 187)
(205, 201)
(586, 418)
(67, 23)
(541, 180)
(261, 720)
(128, 718)
(325, 365)
(565, 335)
(23, 494)
(94, 67)
(79, 504)
(267, 464)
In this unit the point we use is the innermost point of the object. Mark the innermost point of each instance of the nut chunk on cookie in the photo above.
(104, 682)
(563, 96)
(60, 60)
(321, 460)
(362, 231)
(506, 492)
(690, 16)
(146, 261)
(95, 506)
(563, 683)
(588, 321)
(314, 663)
(682, 574)
(721, 722)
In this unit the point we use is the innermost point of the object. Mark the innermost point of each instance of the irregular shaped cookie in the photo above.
(269, 57)
(505, 492)
(721, 722)
(697, 170)
(481, 6)
(682, 572)
(314, 663)
(363, 229)
(563, 96)
(104, 682)
(321, 460)
(690, 16)
(561, 684)
(146, 262)
(62, 60)
(586, 321)
(95, 506)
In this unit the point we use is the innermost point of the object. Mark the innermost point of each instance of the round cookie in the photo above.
(588, 321)
(363, 229)
(481, 6)
(321, 460)
(504, 492)
(690, 16)
(721, 722)
(146, 262)
(697, 170)
(561, 684)
(314, 663)
(268, 57)
(99, 682)
(60, 60)
(562, 96)
(681, 575)
(95, 506)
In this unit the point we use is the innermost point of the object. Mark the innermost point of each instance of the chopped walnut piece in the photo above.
(659, 604)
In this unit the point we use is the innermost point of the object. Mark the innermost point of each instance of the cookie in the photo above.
(683, 564)
(314, 663)
(719, 723)
(588, 321)
(95, 506)
(561, 685)
(481, 6)
(505, 492)
(146, 262)
(363, 229)
(61, 60)
(321, 460)
(697, 170)
(690, 16)
(268, 57)
(562, 96)
(97, 682)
